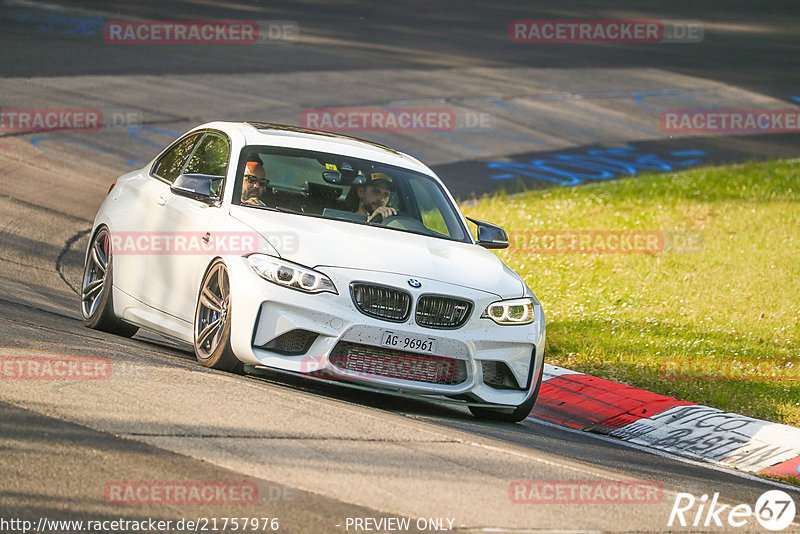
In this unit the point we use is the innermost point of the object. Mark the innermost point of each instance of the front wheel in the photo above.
(97, 306)
(212, 321)
(513, 416)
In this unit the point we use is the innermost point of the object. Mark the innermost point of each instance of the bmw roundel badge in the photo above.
(414, 283)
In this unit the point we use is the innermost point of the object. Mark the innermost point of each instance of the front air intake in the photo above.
(292, 343)
(498, 376)
(390, 363)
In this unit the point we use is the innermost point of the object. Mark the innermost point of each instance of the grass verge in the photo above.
(707, 309)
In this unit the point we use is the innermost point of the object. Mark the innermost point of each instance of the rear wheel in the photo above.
(509, 416)
(212, 324)
(97, 306)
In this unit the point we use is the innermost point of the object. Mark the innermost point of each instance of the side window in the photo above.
(210, 157)
(170, 164)
(431, 214)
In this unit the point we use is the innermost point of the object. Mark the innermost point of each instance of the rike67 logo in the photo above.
(774, 510)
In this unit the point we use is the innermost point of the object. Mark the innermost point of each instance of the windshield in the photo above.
(345, 189)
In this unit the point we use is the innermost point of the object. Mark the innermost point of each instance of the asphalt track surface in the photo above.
(319, 454)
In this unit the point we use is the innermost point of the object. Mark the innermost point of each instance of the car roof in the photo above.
(272, 134)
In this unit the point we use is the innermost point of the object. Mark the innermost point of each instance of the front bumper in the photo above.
(262, 312)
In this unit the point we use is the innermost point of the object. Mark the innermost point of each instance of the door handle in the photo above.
(161, 201)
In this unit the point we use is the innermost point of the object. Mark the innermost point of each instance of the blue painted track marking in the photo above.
(596, 164)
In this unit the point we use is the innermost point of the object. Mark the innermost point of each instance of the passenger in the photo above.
(254, 183)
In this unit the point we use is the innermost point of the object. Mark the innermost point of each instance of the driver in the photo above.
(374, 195)
(254, 183)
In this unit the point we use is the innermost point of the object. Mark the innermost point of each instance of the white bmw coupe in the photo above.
(308, 252)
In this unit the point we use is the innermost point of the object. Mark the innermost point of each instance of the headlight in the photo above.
(291, 275)
(515, 311)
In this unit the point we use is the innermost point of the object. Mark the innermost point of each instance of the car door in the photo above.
(194, 222)
(144, 199)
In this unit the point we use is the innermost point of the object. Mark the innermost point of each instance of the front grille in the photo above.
(499, 376)
(436, 311)
(292, 342)
(380, 361)
(381, 302)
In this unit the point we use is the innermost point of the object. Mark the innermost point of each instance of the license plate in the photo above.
(393, 340)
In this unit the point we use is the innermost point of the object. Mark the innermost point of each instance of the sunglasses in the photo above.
(255, 179)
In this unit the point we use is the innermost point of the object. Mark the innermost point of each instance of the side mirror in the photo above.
(202, 187)
(489, 235)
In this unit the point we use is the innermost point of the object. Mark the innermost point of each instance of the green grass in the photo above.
(714, 318)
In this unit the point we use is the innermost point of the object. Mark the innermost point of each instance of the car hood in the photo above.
(316, 242)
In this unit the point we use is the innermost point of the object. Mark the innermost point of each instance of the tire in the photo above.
(212, 321)
(97, 305)
(516, 415)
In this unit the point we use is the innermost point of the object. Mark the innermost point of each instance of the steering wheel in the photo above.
(378, 219)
